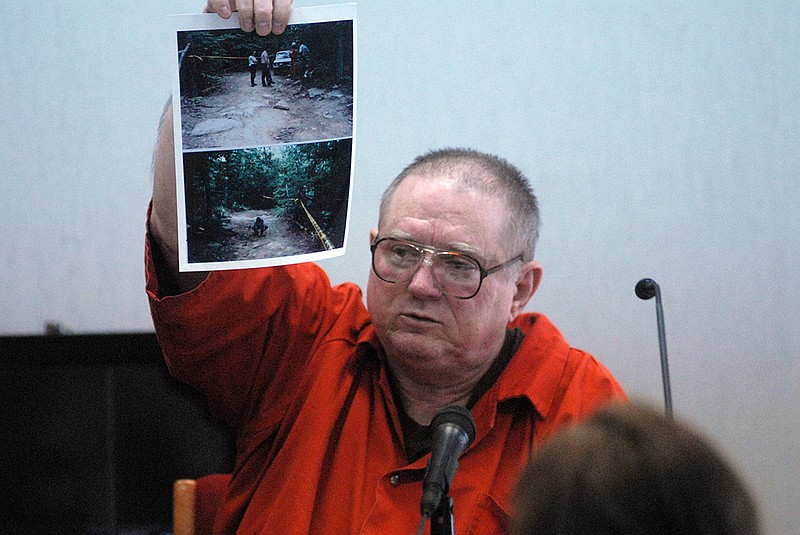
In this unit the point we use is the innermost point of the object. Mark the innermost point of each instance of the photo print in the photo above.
(264, 131)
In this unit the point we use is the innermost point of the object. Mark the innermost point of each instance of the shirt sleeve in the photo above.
(242, 336)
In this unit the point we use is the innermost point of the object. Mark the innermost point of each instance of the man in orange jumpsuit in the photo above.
(331, 400)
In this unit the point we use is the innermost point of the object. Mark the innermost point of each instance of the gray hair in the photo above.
(486, 173)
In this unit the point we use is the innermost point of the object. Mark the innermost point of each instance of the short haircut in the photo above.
(630, 470)
(489, 174)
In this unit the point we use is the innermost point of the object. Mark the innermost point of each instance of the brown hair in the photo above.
(630, 470)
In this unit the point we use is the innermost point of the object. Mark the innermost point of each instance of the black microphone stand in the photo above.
(646, 289)
(442, 521)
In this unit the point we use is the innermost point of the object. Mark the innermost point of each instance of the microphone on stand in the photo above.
(646, 289)
(453, 431)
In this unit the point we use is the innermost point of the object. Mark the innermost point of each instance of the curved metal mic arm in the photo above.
(647, 289)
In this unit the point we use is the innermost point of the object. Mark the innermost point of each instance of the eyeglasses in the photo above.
(458, 275)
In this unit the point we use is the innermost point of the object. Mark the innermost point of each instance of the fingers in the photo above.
(246, 17)
(263, 16)
(223, 8)
(281, 9)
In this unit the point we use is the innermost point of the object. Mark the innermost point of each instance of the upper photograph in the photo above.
(241, 90)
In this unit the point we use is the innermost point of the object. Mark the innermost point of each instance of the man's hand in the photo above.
(263, 16)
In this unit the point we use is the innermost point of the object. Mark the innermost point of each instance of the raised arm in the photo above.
(164, 215)
(265, 16)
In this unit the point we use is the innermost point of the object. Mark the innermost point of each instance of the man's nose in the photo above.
(423, 283)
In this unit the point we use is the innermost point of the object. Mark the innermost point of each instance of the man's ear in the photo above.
(372, 235)
(527, 283)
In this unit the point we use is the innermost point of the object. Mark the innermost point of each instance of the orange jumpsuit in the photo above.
(294, 366)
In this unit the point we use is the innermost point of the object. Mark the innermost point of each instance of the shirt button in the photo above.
(394, 480)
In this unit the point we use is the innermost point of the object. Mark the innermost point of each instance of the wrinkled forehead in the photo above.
(463, 180)
(442, 212)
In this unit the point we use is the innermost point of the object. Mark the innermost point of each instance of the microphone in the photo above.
(647, 289)
(454, 431)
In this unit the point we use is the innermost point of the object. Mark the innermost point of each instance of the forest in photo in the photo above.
(298, 192)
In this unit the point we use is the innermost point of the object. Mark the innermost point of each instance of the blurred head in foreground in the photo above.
(630, 470)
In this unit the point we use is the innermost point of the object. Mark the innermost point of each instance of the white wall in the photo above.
(662, 141)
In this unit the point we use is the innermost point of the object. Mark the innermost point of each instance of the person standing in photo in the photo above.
(266, 69)
(304, 54)
(293, 55)
(252, 64)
